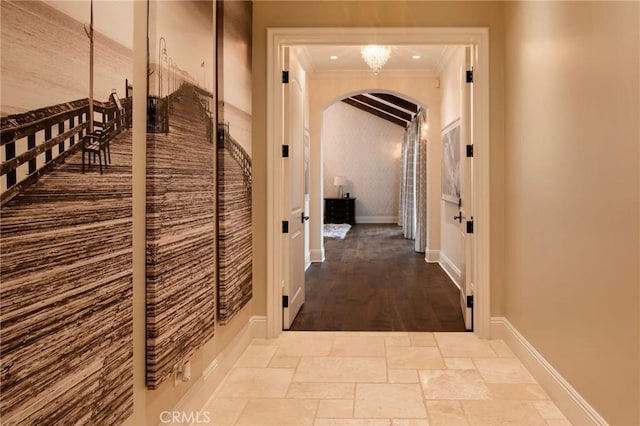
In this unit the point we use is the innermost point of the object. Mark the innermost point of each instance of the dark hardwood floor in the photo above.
(373, 280)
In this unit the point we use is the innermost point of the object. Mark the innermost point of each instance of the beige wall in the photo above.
(572, 194)
(376, 14)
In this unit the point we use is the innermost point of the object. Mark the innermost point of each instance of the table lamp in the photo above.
(340, 181)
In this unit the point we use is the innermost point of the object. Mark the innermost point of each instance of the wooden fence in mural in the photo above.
(66, 266)
(234, 226)
(180, 236)
(29, 141)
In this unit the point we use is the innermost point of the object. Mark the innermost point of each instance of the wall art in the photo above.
(181, 201)
(234, 157)
(66, 261)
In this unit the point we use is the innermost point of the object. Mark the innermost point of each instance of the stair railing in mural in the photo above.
(25, 137)
(225, 141)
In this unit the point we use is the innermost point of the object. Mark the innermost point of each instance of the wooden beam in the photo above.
(384, 107)
(392, 99)
(375, 112)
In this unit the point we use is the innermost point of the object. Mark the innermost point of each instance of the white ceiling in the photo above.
(317, 58)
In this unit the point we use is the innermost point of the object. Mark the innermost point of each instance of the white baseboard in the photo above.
(451, 270)
(432, 256)
(377, 219)
(575, 408)
(317, 255)
(199, 394)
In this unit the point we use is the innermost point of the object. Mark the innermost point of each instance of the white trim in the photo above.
(451, 269)
(202, 390)
(377, 219)
(569, 401)
(317, 255)
(432, 256)
(307, 262)
(277, 38)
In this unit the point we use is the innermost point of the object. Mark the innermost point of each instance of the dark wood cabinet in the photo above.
(340, 210)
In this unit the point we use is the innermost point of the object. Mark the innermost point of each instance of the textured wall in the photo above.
(366, 150)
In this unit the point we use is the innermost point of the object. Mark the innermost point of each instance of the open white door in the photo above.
(293, 290)
(466, 189)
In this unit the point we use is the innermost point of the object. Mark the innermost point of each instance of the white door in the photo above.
(293, 264)
(466, 188)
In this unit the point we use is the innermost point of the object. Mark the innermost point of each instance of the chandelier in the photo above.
(375, 56)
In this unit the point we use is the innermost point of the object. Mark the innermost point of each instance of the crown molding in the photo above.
(304, 58)
(414, 74)
(445, 57)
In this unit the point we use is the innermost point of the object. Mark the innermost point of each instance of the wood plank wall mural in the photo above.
(66, 255)
(234, 158)
(180, 184)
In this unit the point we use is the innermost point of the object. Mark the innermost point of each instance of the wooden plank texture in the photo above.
(234, 236)
(66, 296)
(180, 238)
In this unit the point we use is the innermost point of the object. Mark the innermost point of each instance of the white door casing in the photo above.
(277, 39)
(307, 196)
(293, 168)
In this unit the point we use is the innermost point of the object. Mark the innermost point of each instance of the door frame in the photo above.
(277, 38)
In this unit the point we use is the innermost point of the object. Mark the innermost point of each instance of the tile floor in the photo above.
(385, 379)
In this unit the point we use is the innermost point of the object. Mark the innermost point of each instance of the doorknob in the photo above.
(459, 217)
(303, 217)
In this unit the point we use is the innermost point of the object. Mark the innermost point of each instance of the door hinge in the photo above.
(285, 226)
(285, 151)
(470, 76)
(285, 77)
(470, 226)
(470, 301)
(285, 301)
(469, 151)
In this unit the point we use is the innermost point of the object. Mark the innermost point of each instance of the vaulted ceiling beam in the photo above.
(402, 103)
(383, 106)
(376, 112)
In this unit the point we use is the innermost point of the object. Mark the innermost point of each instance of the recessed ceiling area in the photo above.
(318, 58)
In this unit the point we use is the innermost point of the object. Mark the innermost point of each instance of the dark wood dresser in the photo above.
(340, 210)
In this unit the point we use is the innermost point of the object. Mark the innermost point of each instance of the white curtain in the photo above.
(421, 185)
(412, 211)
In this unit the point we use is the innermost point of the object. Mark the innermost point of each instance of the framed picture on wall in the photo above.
(451, 162)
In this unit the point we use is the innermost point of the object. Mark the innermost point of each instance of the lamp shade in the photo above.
(339, 180)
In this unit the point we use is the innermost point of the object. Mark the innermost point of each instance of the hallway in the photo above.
(373, 280)
(380, 379)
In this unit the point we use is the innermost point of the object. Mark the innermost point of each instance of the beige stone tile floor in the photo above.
(380, 379)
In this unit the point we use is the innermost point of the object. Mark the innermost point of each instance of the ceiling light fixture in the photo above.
(375, 56)
(416, 56)
(333, 57)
